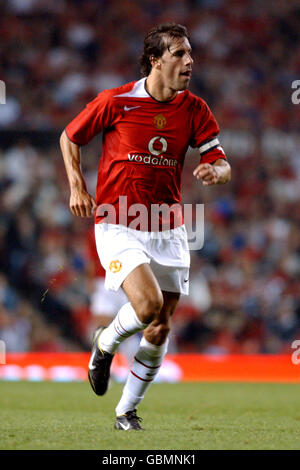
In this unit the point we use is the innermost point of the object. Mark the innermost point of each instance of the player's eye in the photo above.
(182, 53)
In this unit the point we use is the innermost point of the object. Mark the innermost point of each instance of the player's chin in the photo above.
(184, 83)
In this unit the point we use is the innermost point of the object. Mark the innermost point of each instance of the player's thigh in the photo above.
(144, 293)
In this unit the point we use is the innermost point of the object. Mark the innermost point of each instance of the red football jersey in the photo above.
(144, 147)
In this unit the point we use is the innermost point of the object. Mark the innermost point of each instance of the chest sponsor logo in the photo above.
(150, 160)
(160, 121)
(157, 146)
(152, 146)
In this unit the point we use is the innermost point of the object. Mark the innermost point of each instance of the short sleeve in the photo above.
(205, 133)
(93, 119)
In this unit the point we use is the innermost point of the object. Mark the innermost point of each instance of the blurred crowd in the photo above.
(245, 281)
(65, 52)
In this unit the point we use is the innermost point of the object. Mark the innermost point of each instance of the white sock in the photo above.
(145, 367)
(125, 324)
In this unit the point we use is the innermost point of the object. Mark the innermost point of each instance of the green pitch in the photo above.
(178, 416)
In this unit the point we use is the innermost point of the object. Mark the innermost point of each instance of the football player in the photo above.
(147, 127)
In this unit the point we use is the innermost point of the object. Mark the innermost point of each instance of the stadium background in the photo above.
(245, 281)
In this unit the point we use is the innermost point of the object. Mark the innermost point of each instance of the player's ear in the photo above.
(155, 61)
(152, 60)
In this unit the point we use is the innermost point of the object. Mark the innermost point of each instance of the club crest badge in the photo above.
(115, 266)
(160, 121)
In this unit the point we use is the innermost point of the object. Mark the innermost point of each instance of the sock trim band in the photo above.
(144, 380)
(126, 332)
(145, 365)
(124, 335)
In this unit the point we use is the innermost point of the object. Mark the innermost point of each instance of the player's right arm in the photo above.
(98, 115)
(81, 202)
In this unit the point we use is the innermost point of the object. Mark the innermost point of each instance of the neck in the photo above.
(158, 90)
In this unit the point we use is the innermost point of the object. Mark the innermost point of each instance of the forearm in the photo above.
(72, 156)
(223, 169)
(81, 203)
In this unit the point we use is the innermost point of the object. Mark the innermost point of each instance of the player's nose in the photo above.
(189, 60)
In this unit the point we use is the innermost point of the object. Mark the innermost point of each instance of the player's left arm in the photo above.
(213, 167)
(218, 172)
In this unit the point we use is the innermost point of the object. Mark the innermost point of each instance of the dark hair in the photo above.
(155, 44)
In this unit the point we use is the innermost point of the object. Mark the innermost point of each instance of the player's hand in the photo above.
(82, 204)
(208, 173)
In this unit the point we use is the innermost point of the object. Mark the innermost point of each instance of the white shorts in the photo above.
(122, 249)
(105, 302)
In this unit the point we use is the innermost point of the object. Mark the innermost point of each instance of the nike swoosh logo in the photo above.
(129, 108)
(125, 427)
(91, 367)
(185, 280)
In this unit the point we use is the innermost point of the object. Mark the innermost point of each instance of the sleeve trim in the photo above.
(209, 150)
(208, 146)
(73, 142)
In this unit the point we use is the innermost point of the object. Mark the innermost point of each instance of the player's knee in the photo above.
(149, 308)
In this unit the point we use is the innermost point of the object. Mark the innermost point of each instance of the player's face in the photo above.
(176, 64)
